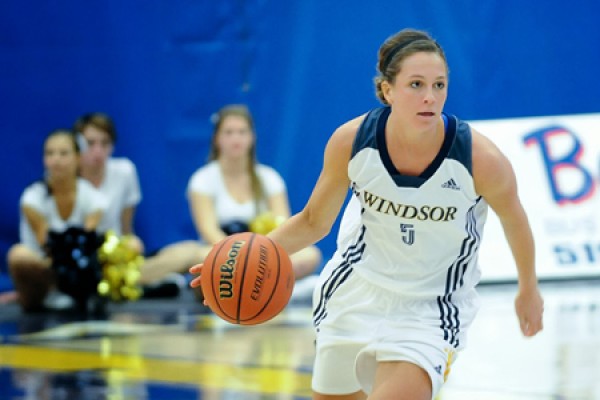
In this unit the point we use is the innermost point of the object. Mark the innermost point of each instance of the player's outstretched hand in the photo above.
(529, 306)
(196, 270)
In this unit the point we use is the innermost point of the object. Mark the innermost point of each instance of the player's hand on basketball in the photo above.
(196, 282)
(529, 306)
(196, 270)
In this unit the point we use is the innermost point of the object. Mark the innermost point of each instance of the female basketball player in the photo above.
(395, 302)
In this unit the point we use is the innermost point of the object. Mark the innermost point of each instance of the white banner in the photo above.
(556, 161)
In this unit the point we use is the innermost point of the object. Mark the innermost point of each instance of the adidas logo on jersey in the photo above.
(450, 184)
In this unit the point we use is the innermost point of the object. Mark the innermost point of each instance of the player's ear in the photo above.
(386, 89)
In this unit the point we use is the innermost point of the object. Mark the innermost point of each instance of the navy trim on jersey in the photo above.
(449, 313)
(364, 137)
(461, 151)
(338, 276)
(408, 180)
(456, 146)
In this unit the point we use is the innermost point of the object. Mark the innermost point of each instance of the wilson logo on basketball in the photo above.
(260, 274)
(228, 269)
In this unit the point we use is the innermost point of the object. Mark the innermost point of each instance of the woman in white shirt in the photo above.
(61, 201)
(228, 193)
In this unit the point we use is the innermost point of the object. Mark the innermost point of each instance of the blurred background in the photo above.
(161, 68)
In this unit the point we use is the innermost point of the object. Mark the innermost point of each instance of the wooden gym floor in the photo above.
(175, 349)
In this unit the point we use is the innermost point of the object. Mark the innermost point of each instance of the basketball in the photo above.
(247, 279)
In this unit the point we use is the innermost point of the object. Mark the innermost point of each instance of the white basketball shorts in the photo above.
(359, 324)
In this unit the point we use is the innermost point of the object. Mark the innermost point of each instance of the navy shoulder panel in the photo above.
(367, 133)
(461, 149)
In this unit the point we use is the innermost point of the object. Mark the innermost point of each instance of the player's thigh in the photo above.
(401, 380)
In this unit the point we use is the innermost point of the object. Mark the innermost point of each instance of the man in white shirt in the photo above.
(116, 178)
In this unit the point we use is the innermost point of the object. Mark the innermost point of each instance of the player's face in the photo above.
(97, 147)
(235, 137)
(60, 158)
(420, 90)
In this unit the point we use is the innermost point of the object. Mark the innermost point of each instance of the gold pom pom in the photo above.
(265, 223)
(121, 268)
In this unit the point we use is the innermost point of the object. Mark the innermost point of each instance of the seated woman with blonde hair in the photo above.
(234, 193)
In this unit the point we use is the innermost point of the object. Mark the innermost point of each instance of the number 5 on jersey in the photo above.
(409, 233)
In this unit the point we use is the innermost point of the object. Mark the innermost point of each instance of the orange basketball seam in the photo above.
(274, 290)
(241, 287)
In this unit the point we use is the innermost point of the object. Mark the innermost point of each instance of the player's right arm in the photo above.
(320, 212)
(316, 219)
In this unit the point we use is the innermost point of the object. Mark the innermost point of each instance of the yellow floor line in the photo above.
(219, 376)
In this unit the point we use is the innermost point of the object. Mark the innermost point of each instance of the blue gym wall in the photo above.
(160, 68)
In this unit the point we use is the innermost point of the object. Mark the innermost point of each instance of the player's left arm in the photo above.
(495, 181)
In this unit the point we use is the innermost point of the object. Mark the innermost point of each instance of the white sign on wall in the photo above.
(557, 164)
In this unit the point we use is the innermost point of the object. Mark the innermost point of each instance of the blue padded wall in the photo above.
(161, 68)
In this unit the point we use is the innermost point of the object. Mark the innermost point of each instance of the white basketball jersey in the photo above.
(417, 236)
